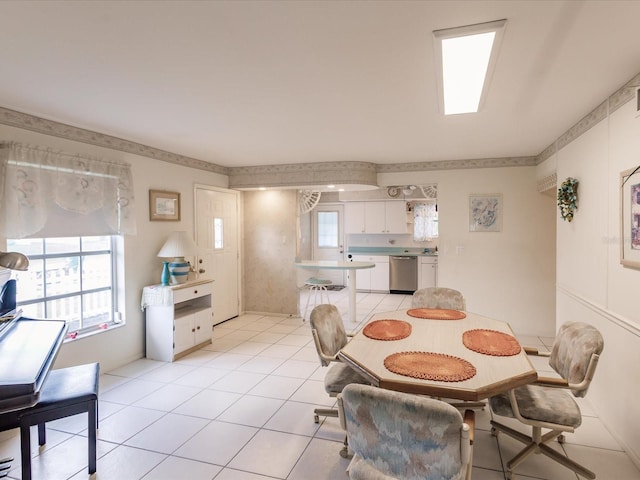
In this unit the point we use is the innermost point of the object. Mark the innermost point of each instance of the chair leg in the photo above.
(537, 444)
(25, 451)
(325, 412)
(42, 434)
(92, 439)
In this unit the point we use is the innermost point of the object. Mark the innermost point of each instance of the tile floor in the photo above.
(241, 409)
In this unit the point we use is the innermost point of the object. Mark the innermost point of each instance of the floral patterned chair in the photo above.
(438, 297)
(329, 337)
(548, 403)
(396, 435)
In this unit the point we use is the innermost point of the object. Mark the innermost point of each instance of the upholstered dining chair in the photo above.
(329, 336)
(397, 435)
(549, 403)
(438, 297)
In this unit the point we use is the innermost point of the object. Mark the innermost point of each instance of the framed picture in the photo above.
(485, 212)
(164, 205)
(630, 218)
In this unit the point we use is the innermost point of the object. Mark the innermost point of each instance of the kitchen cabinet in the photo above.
(376, 217)
(374, 279)
(354, 217)
(179, 319)
(428, 272)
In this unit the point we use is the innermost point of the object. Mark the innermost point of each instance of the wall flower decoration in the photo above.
(568, 198)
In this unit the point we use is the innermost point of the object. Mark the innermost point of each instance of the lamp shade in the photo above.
(178, 245)
(14, 261)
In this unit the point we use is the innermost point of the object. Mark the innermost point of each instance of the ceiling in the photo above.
(251, 83)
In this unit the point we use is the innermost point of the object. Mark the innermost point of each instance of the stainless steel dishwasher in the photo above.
(403, 274)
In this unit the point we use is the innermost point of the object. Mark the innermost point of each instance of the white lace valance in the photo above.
(38, 182)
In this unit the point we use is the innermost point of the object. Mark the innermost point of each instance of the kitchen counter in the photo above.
(407, 252)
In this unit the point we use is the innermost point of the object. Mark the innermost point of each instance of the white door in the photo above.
(217, 239)
(328, 238)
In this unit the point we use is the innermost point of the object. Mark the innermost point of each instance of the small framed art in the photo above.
(630, 218)
(164, 205)
(485, 212)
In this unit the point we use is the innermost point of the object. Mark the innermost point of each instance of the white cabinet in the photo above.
(428, 273)
(179, 319)
(375, 217)
(354, 217)
(374, 279)
(395, 215)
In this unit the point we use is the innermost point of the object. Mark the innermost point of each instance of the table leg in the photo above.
(352, 296)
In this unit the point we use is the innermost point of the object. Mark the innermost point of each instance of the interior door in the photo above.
(217, 238)
(328, 238)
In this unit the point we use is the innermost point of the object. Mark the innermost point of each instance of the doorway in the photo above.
(328, 238)
(217, 237)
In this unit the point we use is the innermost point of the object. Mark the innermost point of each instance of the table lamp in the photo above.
(178, 245)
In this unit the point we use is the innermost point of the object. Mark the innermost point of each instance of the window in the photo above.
(328, 229)
(425, 221)
(69, 278)
(218, 233)
(465, 59)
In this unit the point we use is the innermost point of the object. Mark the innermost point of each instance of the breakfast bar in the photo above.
(352, 267)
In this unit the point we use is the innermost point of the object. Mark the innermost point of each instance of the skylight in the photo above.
(465, 57)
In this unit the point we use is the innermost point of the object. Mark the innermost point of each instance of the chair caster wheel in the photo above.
(316, 419)
(494, 431)
(562, 439)
(344, 452)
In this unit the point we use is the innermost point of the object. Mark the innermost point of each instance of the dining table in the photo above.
(440, 353)
(352, 267)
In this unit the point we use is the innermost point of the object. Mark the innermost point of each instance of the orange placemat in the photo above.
(387, 330)
(430, 366)
(436, 313)
(491, 342)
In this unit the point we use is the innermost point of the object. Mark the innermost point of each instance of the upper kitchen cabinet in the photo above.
(375, 217)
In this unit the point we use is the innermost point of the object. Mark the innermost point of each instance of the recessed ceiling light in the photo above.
(465, 59)
(331, 186)
(262, 188)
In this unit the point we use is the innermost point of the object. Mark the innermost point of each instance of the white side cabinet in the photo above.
(179, 319)
(428, 274)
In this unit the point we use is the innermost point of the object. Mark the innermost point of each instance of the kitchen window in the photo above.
(69, 278)
(328, 229)
(425, 221)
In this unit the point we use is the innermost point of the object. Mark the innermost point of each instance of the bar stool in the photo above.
(66, 392)
(317, 286)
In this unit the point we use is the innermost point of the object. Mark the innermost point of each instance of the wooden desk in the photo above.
(340, 265)
(494, 374)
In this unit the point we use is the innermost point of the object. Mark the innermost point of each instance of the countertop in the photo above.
(406, 252)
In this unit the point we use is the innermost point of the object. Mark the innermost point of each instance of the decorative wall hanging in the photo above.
(568, 198)
(164, 205)
(307, 200)
(485, 212)
(630, 218)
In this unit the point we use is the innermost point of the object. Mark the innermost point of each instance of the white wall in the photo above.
(269, 246)
(592, 284)
(508, 275)
(141, 265)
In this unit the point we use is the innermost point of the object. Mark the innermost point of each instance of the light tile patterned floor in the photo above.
(241, 409)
